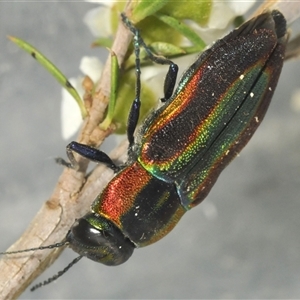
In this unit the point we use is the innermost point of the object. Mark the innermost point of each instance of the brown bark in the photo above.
(71, 198)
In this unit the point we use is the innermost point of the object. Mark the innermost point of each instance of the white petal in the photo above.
(92, 67)
(153, 77)
(223, 12)
(221, 15)
(98, 21)
(70, 113)
(108, 3)
(240, 7)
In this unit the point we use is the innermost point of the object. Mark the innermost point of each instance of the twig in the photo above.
(69, 199)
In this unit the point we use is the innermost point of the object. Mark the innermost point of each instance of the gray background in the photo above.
(242, 242)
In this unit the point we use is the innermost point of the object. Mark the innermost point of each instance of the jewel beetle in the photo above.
(183, 146)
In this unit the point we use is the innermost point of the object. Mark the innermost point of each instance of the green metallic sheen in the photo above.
(184, 146)
(144, 212)
(217, 107)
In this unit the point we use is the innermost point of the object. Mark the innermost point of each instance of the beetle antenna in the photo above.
(54, 277)
(57, 245)
(60, 273)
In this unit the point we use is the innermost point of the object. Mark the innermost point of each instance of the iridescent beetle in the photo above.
(182, 147)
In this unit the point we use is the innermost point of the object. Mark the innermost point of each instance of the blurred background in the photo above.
(242, 242)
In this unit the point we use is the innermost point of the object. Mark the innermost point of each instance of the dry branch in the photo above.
(71, 197)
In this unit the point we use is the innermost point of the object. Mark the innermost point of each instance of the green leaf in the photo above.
(113, 91)
(154, 30)
(166, 49)
(183, 29)
(158, 48)
(52, 69)
(199, 11)
(192, 49)
(146, 8)
(102, 42)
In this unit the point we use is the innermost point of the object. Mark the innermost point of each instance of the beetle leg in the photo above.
(169, 83)
(132, 120)
(136, 104)
(171, 76)
(88, 152)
